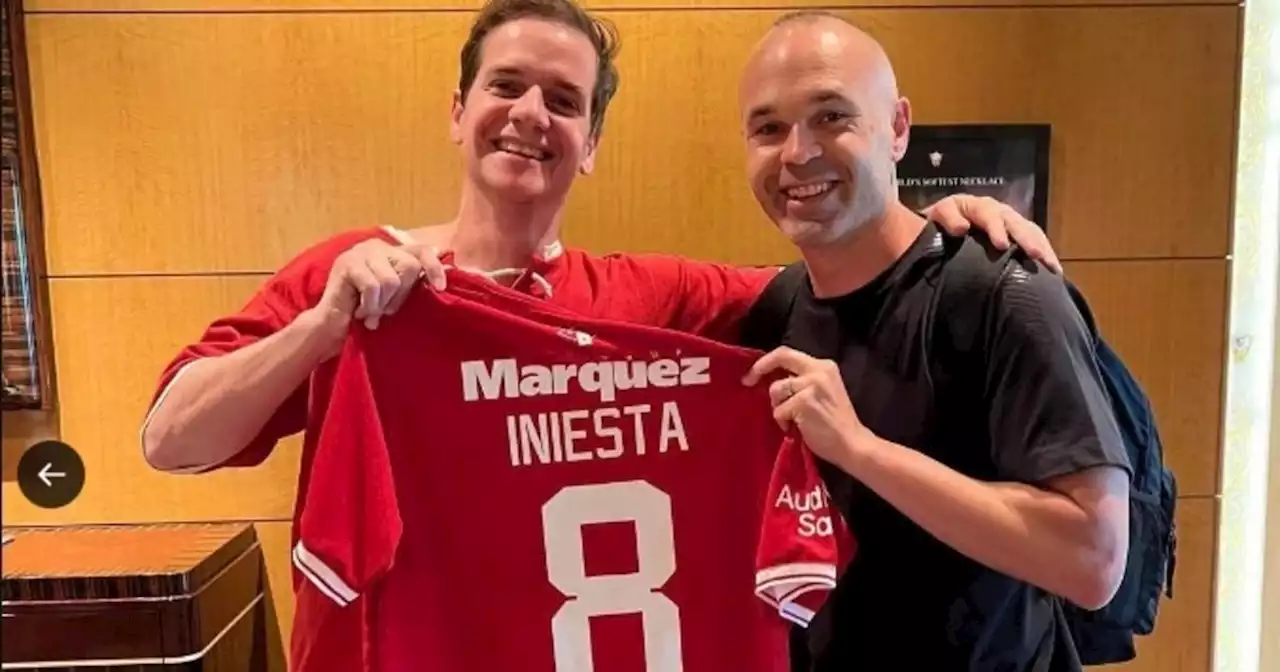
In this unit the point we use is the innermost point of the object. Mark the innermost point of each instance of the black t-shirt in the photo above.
(1030, 407)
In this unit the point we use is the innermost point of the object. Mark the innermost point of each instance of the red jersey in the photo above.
(507, 487)
(650, 289)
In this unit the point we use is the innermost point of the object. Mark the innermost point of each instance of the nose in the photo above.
(801, 146)
(529, 110)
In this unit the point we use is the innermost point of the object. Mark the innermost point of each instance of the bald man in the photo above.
(986, 485)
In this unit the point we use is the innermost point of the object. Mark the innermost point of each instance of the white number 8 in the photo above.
(562, 519)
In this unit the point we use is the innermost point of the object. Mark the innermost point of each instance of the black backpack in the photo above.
(1107, 635)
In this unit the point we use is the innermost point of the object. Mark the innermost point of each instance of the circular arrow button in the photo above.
(50, 474)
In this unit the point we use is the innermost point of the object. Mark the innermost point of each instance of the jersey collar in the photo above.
(531, 279)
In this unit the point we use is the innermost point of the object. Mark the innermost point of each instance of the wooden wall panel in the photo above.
(190, 144)
(113, 337)
(329, 6)
(179, 144)
(21, 429)
(1167, 319)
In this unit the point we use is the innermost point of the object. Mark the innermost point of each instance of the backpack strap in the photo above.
(968, 279)
(1086, 313)
(765, 324)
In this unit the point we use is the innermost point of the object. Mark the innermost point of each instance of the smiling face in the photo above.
(524, 125)
(824, 128)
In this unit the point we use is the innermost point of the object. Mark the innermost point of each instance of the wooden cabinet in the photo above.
(156, 598)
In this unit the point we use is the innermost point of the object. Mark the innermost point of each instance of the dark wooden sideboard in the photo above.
(157, 598)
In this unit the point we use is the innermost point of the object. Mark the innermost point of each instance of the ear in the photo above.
(455, 118)
(901, 128)
(589, 158)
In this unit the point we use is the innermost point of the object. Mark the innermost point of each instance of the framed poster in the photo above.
(1008, 162)
(26, 362)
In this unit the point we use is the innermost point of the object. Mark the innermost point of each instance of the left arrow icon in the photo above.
(50, 474)
(46, 474)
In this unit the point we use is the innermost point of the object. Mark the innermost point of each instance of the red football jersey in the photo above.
(499, 485)
(658, 290)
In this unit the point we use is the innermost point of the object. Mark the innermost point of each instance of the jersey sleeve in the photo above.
(294, 288)
(804, 542)
(705, 299)
(1049, 412)
(350, 525)
(326, 636)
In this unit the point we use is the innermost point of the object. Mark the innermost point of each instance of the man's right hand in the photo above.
(372, 279)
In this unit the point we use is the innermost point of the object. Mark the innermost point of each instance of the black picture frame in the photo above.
(1008, 162)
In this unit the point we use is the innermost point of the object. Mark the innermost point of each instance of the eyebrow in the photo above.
(817, 98)
(509, 71)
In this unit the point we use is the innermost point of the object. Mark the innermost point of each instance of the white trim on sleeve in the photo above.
(782, 585)
(146, 422)
(324, 578)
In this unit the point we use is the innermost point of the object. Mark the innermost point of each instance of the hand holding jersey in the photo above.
(634, 480)
(812, 399)
(372, 279)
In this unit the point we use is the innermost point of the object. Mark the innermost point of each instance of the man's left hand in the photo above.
(814, 400)
(956, 213)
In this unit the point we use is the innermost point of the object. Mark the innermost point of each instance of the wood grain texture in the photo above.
(114, 337)
(181, 144)
(96, 562)
(91, 6)
(1167, 319)
(21, 430)
(131, 593)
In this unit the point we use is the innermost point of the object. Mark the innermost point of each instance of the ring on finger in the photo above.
(788, 388)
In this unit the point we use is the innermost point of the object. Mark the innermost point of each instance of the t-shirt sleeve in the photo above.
(268, 311)
(701, 298)
(294, 288)
(350, 525)
(1049, 412)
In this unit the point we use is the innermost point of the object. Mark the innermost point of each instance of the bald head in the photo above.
(809, 40)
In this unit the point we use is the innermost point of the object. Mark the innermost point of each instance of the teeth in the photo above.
(523, 150)
(807, 190)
